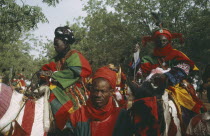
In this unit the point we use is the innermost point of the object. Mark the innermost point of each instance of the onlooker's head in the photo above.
(104, 83)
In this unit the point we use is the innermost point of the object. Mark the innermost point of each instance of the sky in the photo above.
(66, 10)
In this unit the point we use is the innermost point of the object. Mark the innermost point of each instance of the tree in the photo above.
(15, 42)
(112, 27)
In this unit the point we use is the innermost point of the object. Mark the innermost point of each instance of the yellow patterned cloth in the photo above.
(181, 97)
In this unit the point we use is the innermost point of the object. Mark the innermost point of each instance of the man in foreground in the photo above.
(101, 117)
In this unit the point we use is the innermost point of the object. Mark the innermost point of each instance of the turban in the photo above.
(65, 33)
(108, 74)
(163, 32)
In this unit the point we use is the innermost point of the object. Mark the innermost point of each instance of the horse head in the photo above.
(39, 84)
(146, 110)
(155, 86)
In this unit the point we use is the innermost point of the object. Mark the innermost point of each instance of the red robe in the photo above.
(108, 121)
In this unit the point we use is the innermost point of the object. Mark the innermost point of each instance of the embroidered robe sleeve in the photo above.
(183, 65)
(76, 66)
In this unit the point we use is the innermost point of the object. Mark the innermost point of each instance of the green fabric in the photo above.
(123, 126)
(75, 65)
(64, 97)
(60, 95)
(149, 59)
(71, 73)
(65, 77)
(83, 129)
(55, 106)
(74, 60)
(154, 60)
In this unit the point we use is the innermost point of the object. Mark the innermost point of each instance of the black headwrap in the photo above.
(65, 33)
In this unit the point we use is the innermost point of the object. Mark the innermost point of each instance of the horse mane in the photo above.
(144, 113)
(140, 110)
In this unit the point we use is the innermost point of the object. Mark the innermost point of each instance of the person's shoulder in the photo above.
(73, 51)
(179, 52)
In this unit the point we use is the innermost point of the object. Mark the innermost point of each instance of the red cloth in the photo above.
(168, 35)
(165, 51)
(28, 117)
(18, 130)
(172, 54)
(163, 32)
(23, 83)
(152, 103)
(102, 113)
(86, 68)
(108, 74)
(51, 66)
(104, 127)
(146, 39)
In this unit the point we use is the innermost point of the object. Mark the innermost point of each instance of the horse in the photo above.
(153, 112)
(5, 97)
(25, 112)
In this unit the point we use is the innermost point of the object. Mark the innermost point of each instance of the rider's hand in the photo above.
(45, 73)
(136, 48)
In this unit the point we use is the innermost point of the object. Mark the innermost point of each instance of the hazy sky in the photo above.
(66, 10)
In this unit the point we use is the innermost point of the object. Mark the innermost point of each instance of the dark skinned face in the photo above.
(161, 41)
(59, 45)
(100, 92)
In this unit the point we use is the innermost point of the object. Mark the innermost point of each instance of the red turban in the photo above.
(108, 74)
(163, 32)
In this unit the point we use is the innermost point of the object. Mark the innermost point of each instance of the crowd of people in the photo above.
(100, 106)
(100, 112)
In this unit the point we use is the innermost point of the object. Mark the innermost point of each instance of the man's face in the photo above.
(100, 92)
(161, 41)
(59, 45)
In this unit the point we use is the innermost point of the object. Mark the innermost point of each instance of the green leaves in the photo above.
(51, 2)
(112, 26)
(16, 21)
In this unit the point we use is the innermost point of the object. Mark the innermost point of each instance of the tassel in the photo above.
(178, 35)
(146, 39)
